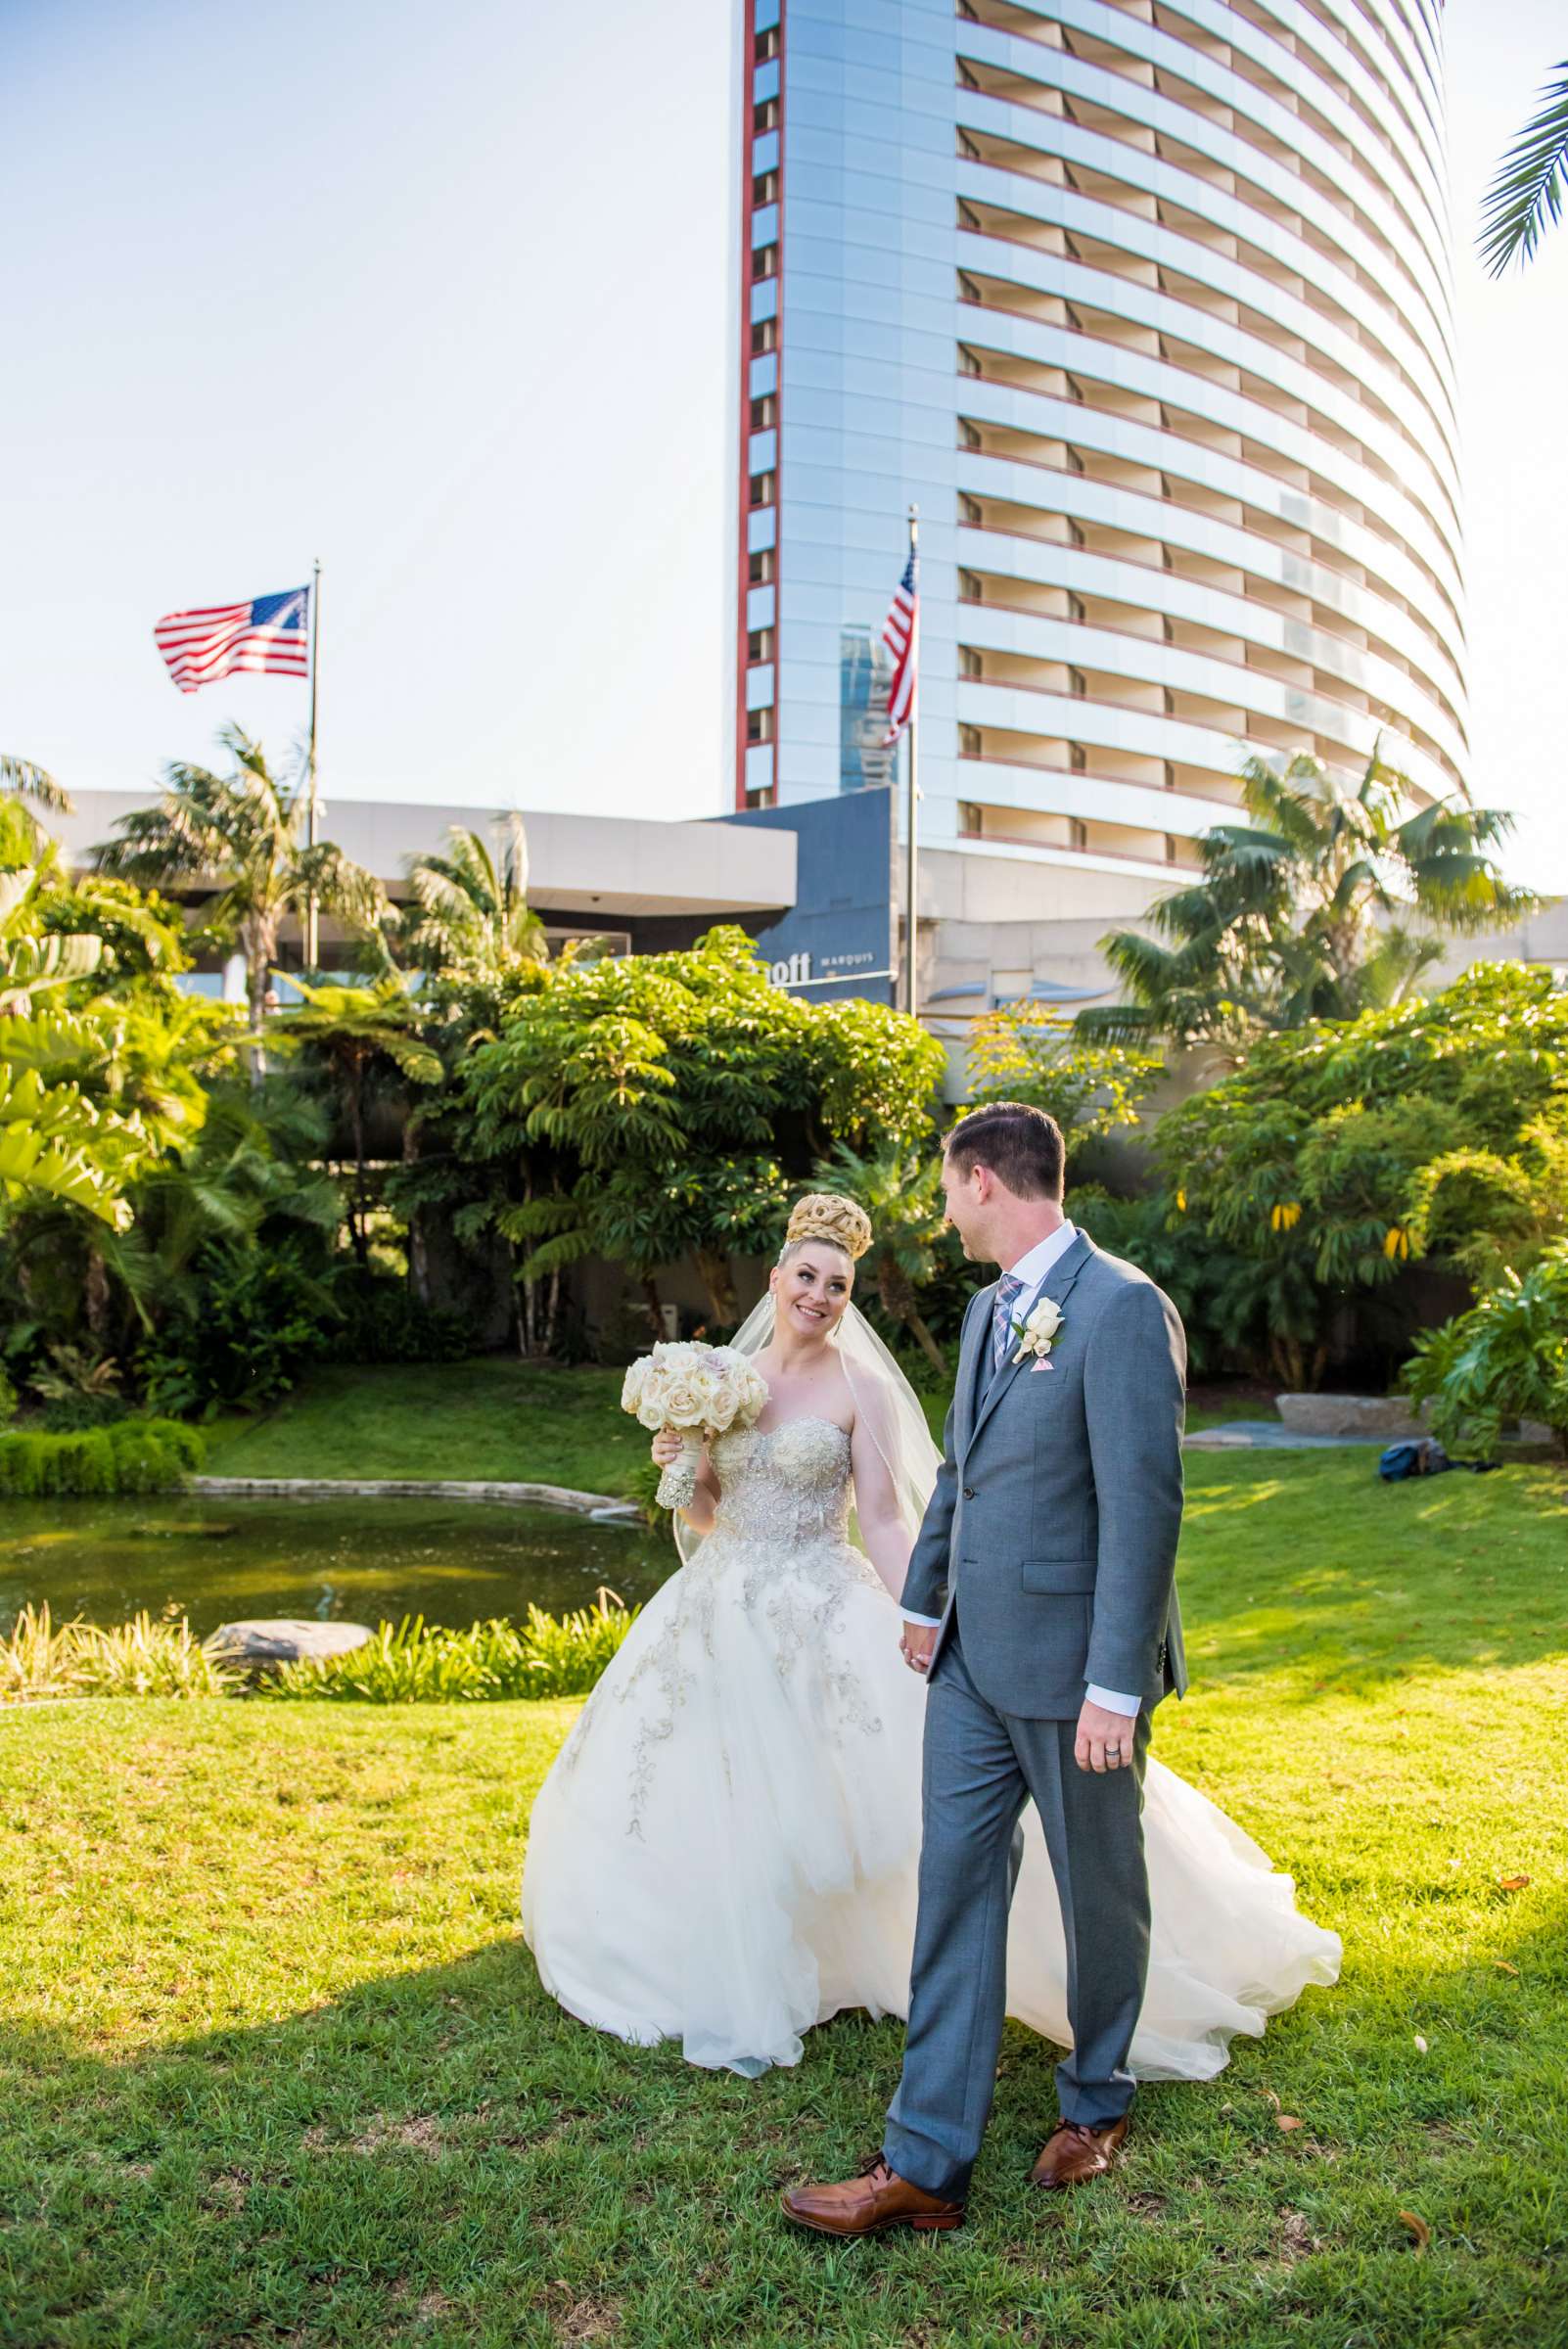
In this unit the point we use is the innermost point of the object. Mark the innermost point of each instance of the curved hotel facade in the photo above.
(1145, 304)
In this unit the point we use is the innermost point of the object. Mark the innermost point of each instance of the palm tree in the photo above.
(245, 832)
(902, 1193)
(23, 779)
(1530, 185)
(23, 787)
(350, 1030)
(1302, 913)
(471, 905)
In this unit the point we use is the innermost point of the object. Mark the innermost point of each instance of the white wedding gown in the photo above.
(725, 1850)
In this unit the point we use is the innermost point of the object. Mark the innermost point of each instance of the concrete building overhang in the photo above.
(590, 865)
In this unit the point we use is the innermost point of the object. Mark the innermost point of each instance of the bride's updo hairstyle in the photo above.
(828, 1217)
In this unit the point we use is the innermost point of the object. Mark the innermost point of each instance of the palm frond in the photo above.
(1117, 1023)
(33, 782)
(339, 885)
(1530, 185)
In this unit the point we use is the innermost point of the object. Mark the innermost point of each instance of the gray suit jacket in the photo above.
(1054, 1521)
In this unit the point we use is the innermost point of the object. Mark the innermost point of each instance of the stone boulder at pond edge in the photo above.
(271, 1640)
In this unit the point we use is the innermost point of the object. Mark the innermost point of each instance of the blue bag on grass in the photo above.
(1417, 1455)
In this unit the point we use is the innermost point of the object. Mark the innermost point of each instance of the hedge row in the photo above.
(130, 1456)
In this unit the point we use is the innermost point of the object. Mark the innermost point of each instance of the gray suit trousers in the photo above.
(981, 1767)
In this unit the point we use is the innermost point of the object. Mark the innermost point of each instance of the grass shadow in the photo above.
(442, 2156)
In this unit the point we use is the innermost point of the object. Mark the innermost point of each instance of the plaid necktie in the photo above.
(1008, 1291)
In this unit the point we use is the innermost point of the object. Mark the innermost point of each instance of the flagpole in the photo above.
(312, 935)
(911, 873)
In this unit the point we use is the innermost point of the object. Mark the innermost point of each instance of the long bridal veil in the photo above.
(885, 1404)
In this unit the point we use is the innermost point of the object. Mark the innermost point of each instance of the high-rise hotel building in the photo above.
(1146, 306)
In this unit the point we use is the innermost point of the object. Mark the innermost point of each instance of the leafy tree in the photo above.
(1305, 911)
(243, 830)
(357, 1036)
(1344, 1150)
(1530, 185)
(471, 907)
(662, 1105)
(1020, 1053)
(56, 1144)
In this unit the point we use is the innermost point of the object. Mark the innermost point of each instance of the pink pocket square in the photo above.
(1040, 1362)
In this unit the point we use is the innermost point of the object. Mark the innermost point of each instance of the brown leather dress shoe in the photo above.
(1075, 2152)
(869, 2204)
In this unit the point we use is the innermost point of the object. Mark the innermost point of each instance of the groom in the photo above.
(1040, 1601)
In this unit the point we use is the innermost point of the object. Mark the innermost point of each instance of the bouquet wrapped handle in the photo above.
(678, 1486)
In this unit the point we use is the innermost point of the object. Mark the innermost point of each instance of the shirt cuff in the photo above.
(927, 1623)
(1108, 1697)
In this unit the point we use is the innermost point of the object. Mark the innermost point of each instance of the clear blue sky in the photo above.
(442, 295)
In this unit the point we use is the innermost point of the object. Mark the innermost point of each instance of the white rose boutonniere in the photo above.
(1037, 1332)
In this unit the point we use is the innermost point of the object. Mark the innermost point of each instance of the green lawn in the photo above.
(278, 2071)
(491, 1417)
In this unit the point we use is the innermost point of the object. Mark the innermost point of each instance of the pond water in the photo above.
(355, 1561)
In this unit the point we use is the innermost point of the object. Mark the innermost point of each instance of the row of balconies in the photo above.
(1249, 127)
(1124, 263)
(1233, 359)
(1103, 397)
(1033, 522)
(1082, 835)
(1125, 154)
(1367, 591)
(1350, 668)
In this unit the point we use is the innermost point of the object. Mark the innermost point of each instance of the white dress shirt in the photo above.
(1031, 1268)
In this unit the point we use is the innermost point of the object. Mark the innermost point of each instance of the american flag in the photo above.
(900, 633)
(271, 633)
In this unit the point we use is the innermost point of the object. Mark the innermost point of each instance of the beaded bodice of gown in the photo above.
(771, 1590)
(783, 1487)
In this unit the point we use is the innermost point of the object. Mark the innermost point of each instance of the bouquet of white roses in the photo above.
(698, 1391)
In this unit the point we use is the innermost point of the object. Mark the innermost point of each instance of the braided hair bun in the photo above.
(829, 1216)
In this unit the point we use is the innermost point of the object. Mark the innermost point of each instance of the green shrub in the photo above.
(187, 1444)
(384, 1321)
(133, 1456)
(41, 1659)
(1505, 1360)
(8, 1400)
(69, 1414)
(241, 1331)
(95, 1464)
(21, 1464)
(543, 1656)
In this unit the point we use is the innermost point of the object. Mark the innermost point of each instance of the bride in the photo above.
(725, 1850)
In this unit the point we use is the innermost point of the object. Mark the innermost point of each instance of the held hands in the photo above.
(1104, 1738)
(665, 1447)
(915, 1646)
